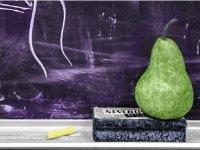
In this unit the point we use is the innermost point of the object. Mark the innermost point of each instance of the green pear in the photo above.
(165, 90)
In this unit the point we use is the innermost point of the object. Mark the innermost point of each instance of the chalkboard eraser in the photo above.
(131, 124)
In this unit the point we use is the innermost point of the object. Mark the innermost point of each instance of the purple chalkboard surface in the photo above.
(58, 59)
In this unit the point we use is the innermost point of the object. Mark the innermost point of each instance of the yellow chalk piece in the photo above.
(61, 132)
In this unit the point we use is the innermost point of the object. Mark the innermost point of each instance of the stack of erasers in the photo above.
(131, 124)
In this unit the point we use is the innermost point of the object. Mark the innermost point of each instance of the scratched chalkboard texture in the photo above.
(60, 58)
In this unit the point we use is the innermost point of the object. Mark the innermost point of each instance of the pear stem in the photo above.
(167, 26)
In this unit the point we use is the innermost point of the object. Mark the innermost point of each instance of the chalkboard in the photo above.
(58, 59)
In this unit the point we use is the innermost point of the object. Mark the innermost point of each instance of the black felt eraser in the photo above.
(140, 135)
(131, 124)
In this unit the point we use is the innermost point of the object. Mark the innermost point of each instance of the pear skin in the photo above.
(165, 90)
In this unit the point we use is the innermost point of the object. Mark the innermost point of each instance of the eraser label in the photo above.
(113, 111)
(122, 113)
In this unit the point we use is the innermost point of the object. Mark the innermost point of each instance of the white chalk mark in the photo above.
(37, 96)
(14, 6)
(7, 108)
(2, 97)
(31, 38)
(88, 47)
(198, 47)
(62, 30)
(30, 4)
(10, 9)
(186, 26)
(18, 97)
